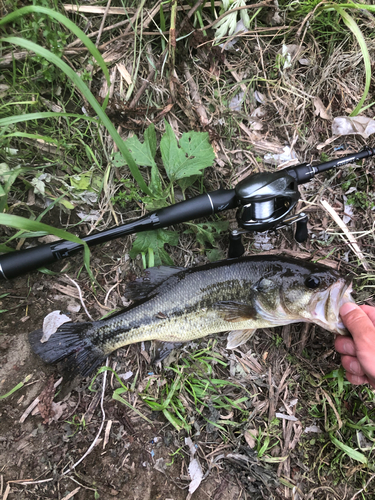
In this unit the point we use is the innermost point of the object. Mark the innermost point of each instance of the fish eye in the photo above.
(312, 282)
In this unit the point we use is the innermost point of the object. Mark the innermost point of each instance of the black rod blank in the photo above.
(16, 263)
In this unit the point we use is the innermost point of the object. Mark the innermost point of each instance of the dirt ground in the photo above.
(40, 451)
(132, 463)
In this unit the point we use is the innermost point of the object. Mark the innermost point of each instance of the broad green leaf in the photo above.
(190, 157)
(143, 154)
(86, 181)
(207, 232)
(150, 139)
(215, 254)
(187, 182)
(155, 240)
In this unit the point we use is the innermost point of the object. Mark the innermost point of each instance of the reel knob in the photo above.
(301, 230)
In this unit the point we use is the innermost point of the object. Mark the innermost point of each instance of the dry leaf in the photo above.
(125, 74)
(51, 323)
(358, 125)
(250, 437)
(45, 400)
(196, 474)
(321, 110)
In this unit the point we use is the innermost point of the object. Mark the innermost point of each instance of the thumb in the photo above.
(362, 330)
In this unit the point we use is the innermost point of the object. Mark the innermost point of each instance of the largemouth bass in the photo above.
(179, 305)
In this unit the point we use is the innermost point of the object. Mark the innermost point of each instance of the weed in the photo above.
(278, 340)
(359, 190)
(77, 423)
(191, 392)
(208, 233)
(347, 414)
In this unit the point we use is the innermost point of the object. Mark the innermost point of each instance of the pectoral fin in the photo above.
(239, 337)
(236, 311)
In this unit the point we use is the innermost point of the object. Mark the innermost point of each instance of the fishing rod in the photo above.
(265, 201)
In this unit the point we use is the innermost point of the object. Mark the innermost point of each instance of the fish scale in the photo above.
(237, 295)
(199, 292)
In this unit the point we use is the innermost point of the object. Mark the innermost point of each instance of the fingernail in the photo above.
(348, 348)
(354, 367)
(347, 308)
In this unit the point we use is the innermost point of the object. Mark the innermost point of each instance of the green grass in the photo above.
(346, 414)
(191, 391)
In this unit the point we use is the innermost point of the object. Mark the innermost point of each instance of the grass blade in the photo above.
(78, 82)
(354, 28)
(10, 120)
(355, 455)
(71, 26)
(16, 388)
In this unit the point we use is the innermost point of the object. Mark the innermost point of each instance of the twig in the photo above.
(364, 488)
(30, 408)
(109, 291)
(100, 428)
(80, 296)
(352, 241)
(94, 33)
(95, 9)
(158, 65)
(195, 97)
(172, 38)
(151, 14)
(103, 22)
(6, 493)
(71, 494)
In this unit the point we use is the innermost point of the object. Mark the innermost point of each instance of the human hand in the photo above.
(358, 351)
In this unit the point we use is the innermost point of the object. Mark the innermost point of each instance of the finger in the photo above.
(352, 365)
(355, 379)
(345, 345)
(370, 311)
(360, 326)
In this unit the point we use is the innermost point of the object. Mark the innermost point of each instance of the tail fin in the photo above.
(71, 346)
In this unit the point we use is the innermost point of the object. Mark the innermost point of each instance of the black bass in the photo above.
(178, 305)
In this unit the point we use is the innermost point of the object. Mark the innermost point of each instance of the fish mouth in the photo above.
(326, 306)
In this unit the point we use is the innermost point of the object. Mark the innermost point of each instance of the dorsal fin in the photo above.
(142, 287)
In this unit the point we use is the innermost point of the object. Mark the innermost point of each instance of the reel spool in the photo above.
(265, 200)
